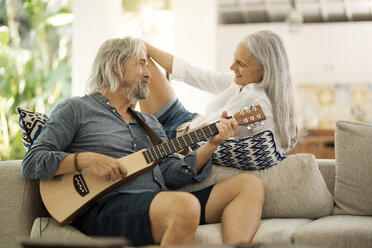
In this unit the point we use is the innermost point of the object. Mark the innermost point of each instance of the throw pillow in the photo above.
(294, 188)
(250, 153)
(353, 149)
(31, 124)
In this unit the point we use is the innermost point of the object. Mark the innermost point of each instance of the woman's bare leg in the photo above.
(160, 90)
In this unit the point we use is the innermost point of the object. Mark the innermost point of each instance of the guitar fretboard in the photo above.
(164, 149)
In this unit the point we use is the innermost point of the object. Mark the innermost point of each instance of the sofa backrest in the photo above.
(20, 203)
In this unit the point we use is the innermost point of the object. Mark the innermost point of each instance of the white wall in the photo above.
(95, 21)
(195, 35)
(192, 36)
(319, 53)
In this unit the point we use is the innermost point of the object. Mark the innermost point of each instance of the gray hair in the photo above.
(112, 54)
(270, 53)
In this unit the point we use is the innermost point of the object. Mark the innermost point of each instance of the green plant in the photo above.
(35, 68)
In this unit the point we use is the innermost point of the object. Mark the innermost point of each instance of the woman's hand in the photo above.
(161, 57)
(102, 165)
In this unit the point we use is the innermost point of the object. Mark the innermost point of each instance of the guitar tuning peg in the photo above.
(241, 112)
(262, 123)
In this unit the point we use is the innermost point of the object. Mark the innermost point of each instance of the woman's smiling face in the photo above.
(245, 66)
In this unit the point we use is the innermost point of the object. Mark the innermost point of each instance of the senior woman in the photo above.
(260, 75)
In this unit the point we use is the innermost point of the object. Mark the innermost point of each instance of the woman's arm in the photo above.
(210, 81)
(161, 57)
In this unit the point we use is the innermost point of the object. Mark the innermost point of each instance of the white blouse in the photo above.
(227, 97)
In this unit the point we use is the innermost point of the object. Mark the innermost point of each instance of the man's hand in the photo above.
(226, 128)
(102, 165)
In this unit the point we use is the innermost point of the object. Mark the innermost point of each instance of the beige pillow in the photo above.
(353, 186)
(294, 187)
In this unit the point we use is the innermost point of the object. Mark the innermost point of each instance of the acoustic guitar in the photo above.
(66, 197)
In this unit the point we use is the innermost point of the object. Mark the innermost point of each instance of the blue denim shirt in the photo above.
(91, 124)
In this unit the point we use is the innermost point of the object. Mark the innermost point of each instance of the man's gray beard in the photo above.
(138, 91)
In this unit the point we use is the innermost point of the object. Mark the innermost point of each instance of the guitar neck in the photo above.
(164, 149)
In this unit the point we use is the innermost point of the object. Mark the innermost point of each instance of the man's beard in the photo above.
(137, 91)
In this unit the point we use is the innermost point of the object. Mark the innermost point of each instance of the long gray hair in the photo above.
(112, 54)
(268, 49)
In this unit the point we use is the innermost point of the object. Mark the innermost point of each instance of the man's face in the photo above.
(245, 66)
(136, 79)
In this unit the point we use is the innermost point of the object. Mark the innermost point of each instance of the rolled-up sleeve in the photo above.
(179, 171)
(48, 151)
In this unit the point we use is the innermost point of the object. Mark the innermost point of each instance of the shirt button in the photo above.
(135, 145)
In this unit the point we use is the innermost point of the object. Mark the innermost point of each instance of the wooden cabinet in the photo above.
(318, 142)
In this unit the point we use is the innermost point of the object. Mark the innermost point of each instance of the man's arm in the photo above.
(48, 157)
(196, 165)
(227, 129)
(100, 164)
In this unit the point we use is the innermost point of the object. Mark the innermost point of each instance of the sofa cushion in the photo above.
(31, 123)
(274, 231)
(341, 231)
(48, 228)
(353, 148)
(250, 153)
(294, 188)
(270, 231)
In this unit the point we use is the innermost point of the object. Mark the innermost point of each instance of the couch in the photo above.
(311, 202)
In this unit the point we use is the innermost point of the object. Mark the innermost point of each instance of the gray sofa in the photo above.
(305, 204)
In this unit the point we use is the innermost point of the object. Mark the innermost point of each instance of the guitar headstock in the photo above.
(250, 116)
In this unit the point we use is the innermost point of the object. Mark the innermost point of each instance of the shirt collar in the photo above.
(248, 86)
(100, 98)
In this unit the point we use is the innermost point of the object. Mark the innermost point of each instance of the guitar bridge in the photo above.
(80, 185)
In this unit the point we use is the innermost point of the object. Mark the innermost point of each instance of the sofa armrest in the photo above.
(328, 169)
(20, 203)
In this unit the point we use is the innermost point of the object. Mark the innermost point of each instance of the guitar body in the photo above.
(64, 199)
